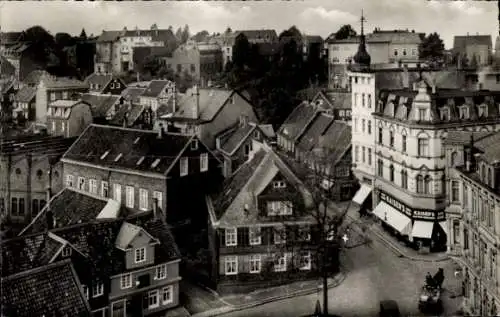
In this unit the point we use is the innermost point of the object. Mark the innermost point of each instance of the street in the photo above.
(374, 273)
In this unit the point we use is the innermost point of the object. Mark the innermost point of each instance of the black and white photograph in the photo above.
(302, 158)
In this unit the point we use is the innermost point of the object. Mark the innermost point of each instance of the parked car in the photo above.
(389, 308)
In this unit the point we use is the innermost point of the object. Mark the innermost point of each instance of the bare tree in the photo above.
(330, 224)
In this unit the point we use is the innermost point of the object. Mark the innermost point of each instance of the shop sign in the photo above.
(410, 212)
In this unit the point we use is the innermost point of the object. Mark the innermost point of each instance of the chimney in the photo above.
(406, 77)
(160, 131)
(196, 107)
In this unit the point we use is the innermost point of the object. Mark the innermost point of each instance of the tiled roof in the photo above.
(234, 138)
(156, 87)
(268, 130)
(64, 103)
(236, 203)
(394, 79)
(27, 252)
(311, 136)
(339, 100)
(211, 101)
(35, 77)
(109, 36)
(26, 94)
(37, 145)
(156, 35)
(132, 112)
(10, 37)
(132, 93)
(258, 34)
(127, 234)
(336, 140)
(129, 146)
(52, 290)
(314, 39)
(68, 207)
(100, 79)
(100, 104)
(297, 121)
(6, 67)
(141, 52)
(64, 82)
(398, 37)
(167, 249)
(463, 137)
(461, 42)
(490, 146)
(446, 79)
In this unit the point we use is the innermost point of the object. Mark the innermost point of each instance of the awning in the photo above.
(362, 194)
(444, 226)
(422, 229)
(392, 217)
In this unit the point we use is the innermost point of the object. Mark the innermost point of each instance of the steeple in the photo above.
(362, 58)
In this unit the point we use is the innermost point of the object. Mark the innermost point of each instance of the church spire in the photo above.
(362, 58)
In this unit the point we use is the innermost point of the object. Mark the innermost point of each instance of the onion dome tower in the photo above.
(362, 58)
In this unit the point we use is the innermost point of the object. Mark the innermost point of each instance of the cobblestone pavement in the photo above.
(374, 273)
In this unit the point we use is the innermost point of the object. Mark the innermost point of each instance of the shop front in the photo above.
(362, 198)
(422, 229)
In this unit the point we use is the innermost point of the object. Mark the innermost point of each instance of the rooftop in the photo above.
(100, 104)
(460, 42)
(37, 145)
(25, 94)
(156, 87)
(210, 103)
(311, 136)
(63, 82)
(64, 103)
(297, 121)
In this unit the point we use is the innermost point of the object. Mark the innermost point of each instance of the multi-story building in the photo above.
(104, 107)
(68, 118)
(24, 104)
(247, 224)
(235, 144)
(136, 166)
(208, 112)
(474, 218)
(51, 89)
(21, 56)
(115, 49)
(105, 84)
(478, 47)
(253, 37)
(159, 97)
(29, 166)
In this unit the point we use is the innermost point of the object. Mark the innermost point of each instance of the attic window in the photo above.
(445, 114)
(137, 140)
(194, 145)
(279, 184)
(155, 163)
(464, 112)
(66, 251)
(118, 157)
(483, 111)
(140, 160)
(104, 155)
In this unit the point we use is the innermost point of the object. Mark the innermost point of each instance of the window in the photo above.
(126, 281)
(65, 95)
(85, 291)
(356, 124)
(81, 183)
(179, 68)
(280, 263)
(143, 199)
(421, 114)
(355, 97)
(161, 272)
(93, 186)
(255, 236)
(363, 149)
(167, 297)
(104, 189)
(482, 111)
(140, 255)
(391, 173)
(231, 265)
(194, 145)
(204, 162)
(404, 179)
(356, 153)
(117, 192)
(129, 196)
(153, 301)
(255, 263)
(445, 114)
(69, 181)
(52, 96)
(279, 235)
(279, 208)
(395, 52)
(403, 141)
(13, 206)
(427, 184)
(465, 195)
(247, 149)
(414, 52)
(279, 184)
(380, 168)
(391, 139)
(63, 125)
(363, 125)
(454, 191)
(380, 136)
(97, 289)
(184, 166)
(362, 100)
(369, 127)
(369, 100)
(369, 156)
(193, 68)
(53, 126)
(453, 159)
(34, 206)
(159, 198)
(66, 251)
(305, 261)
(423, 147)
(420, 184)
(231, 237)
(464, 112)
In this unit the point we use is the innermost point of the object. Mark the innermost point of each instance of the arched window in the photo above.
(420, 184)
(391, 173)
(404, 179)
(427, 184)
(453, 160)
(369, 127)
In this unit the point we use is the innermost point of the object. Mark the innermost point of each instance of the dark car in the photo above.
(389, 308)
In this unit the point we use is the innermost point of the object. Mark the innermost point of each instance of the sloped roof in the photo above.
(394, 79)
(156, 87)
(126, 235)
(297, 121)
(338, 99)
(460, 42)
(68, 207)
(230, 142)
(35, 77)
(336, 140)
(6, 67)
(132, 93)
(249, 180)
(10, 37)
(64, 82)
(25, 94)
(132, 144)
(100, 79)
(64, 103)
(490, 146)
(132, 112)
(463, 137)
(109, 36)
(268, 130)
(100, 104)
(211, 101)
(395, 37)
(36, 145)
(49, 290)
(311, 136)
(258, 34)
(314, 39)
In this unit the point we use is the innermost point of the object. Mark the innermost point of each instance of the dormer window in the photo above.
(256, 134)
(118, 157)
(155, 163)
(66, 251)
(483, 111)
(140, 160)
(279, 184)
(194, 145)
(137, 140)
(104, 155)
(445, 114)
(140, 255)
(422, 114)
(464, 112)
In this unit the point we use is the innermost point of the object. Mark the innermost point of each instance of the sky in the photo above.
(313, 17)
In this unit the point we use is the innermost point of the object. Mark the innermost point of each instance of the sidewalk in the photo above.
(392, 242)
(263, 296)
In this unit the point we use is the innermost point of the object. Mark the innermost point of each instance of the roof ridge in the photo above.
(38, 269)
